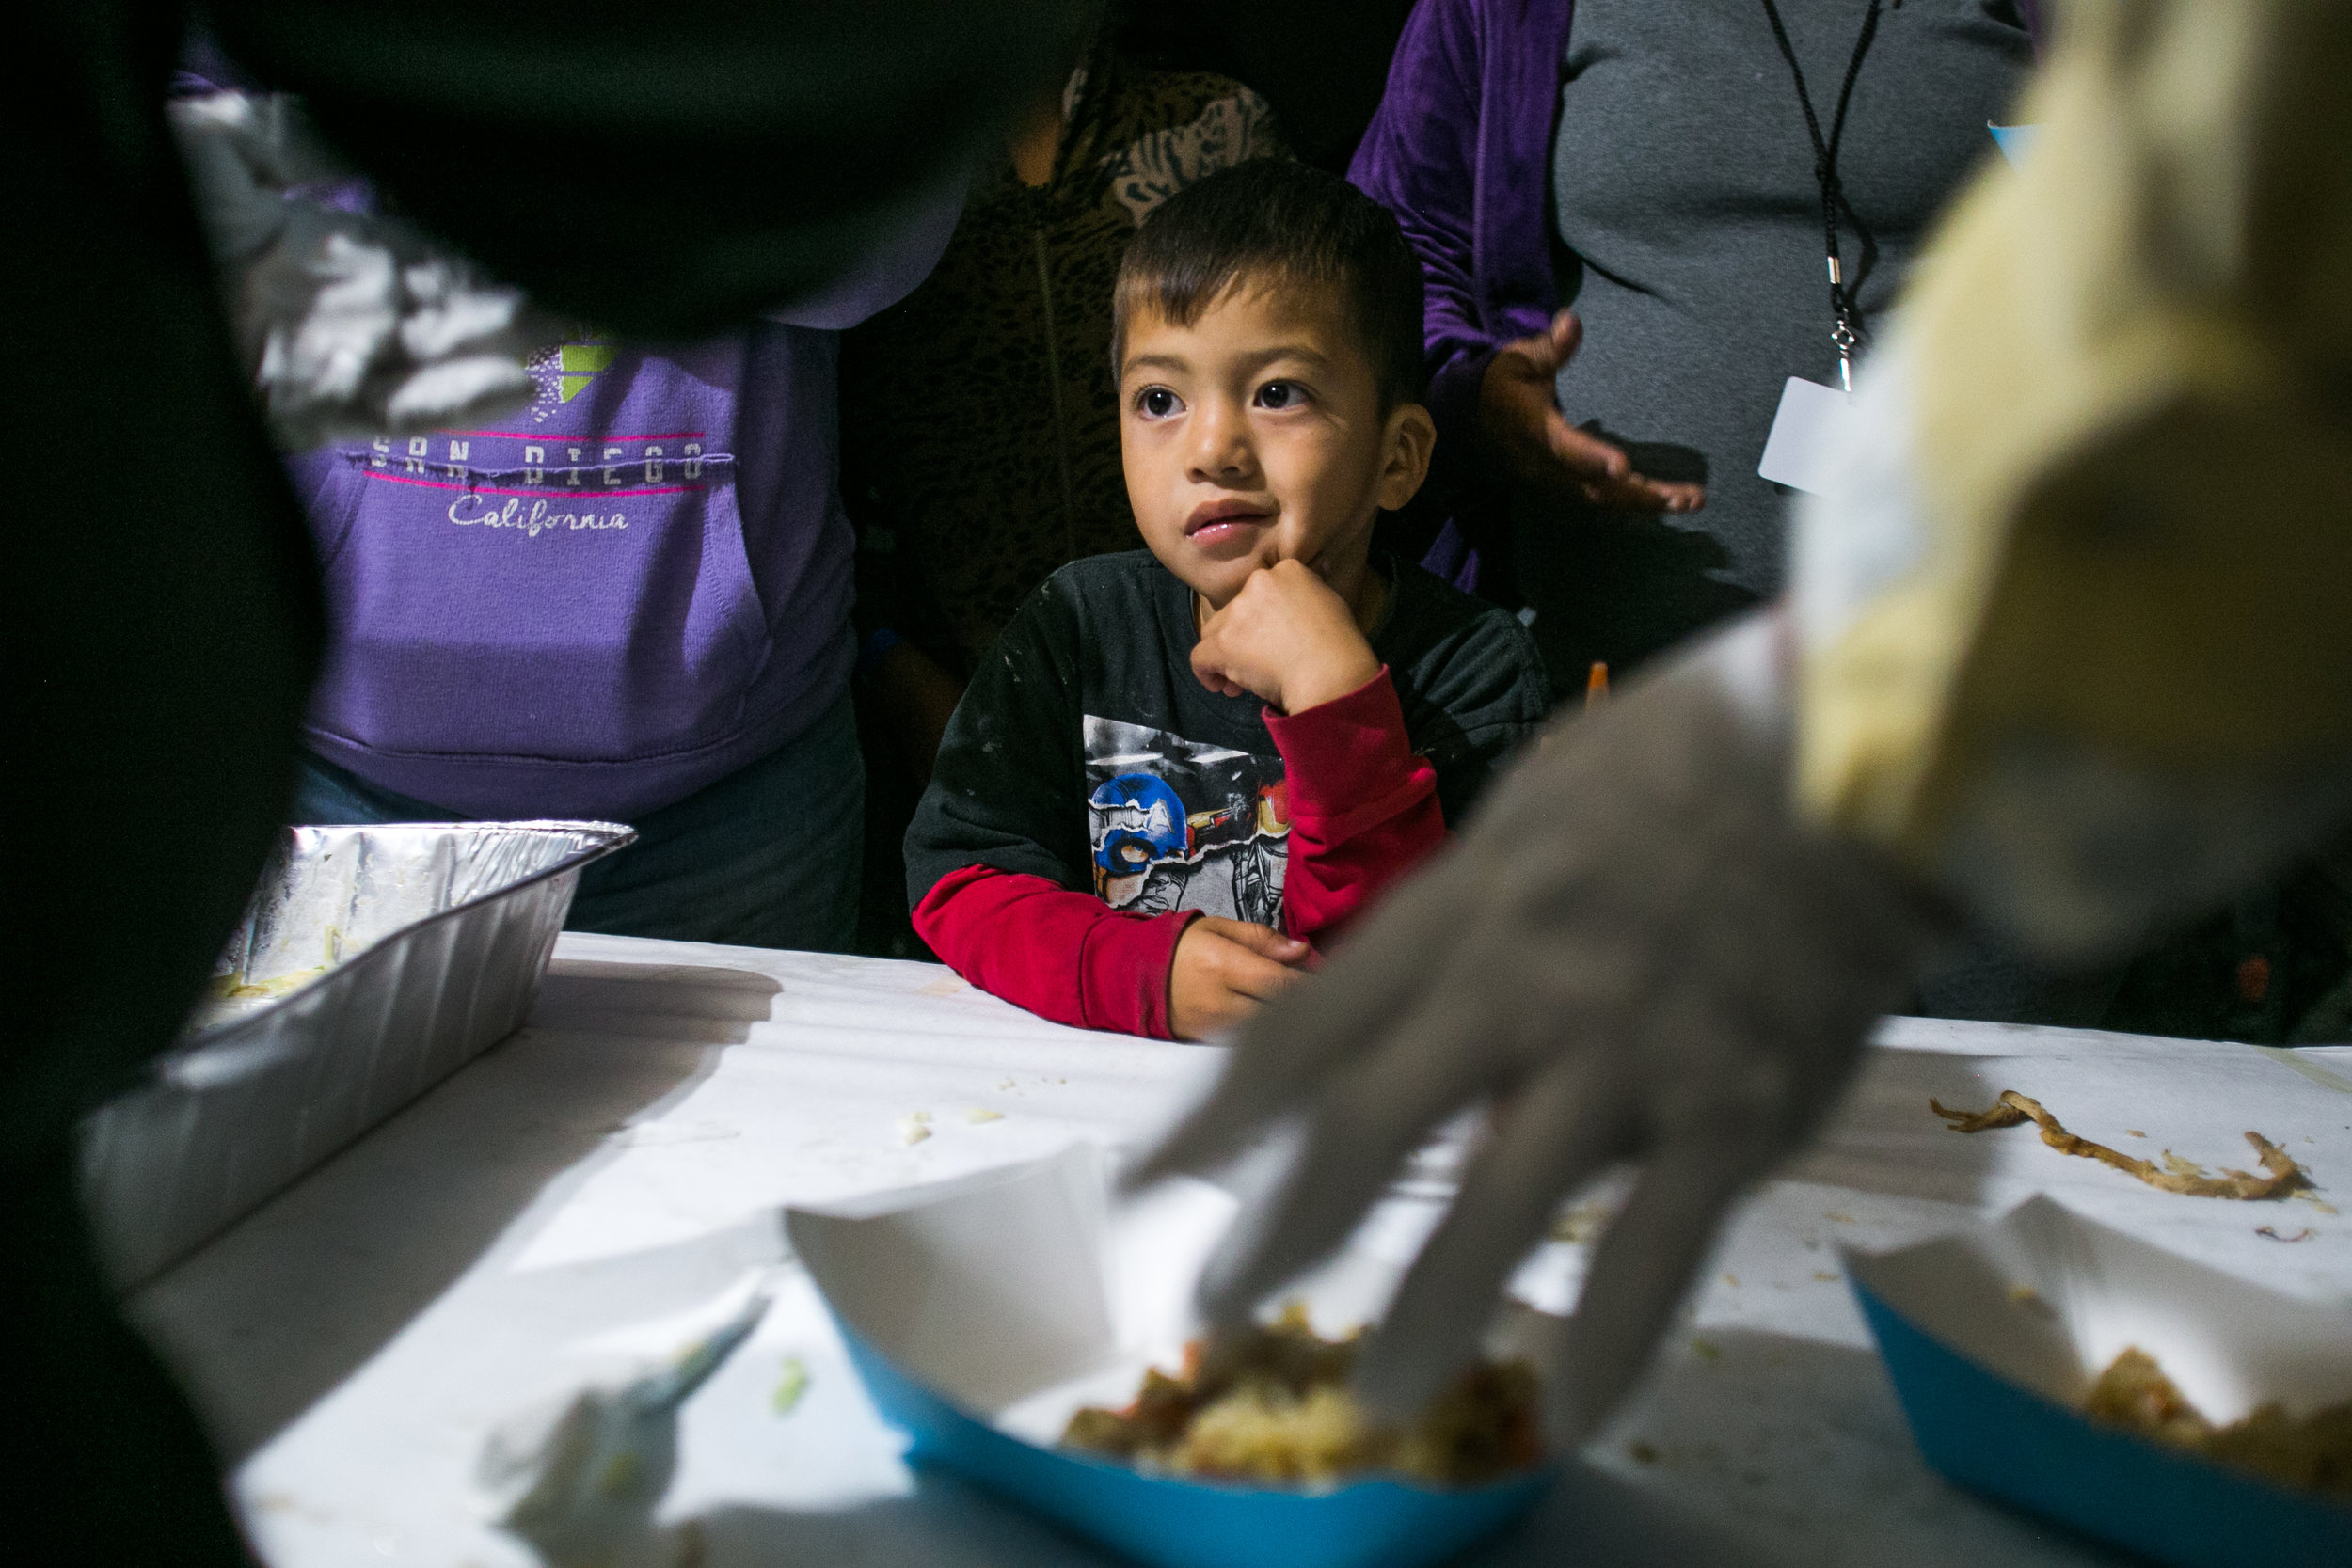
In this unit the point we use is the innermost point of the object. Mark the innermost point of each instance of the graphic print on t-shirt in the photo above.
(1178, 825)
(578, 575)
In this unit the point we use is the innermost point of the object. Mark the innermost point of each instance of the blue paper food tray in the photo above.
(1179, 1523)
(1997, 1436)
(965, 1303)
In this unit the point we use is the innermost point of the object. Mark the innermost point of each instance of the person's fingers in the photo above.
(1603, 472)
(1548, 1137)
(1545, 352)
(1639, 493)
(1678, 495)
(1389, 960)
(1641, 1268)
(1265, 941)
(1551, 450)
(1254, 976)
(1582, 455)
(1208, 661)
(1221, 683)
(1363, 1124)
(1565, 336)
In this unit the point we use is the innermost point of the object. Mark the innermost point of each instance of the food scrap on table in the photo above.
(914, 1128)
(2313, 1451)
(1585, 1222)
(1272, 1404)
(791, 1383)
(980, 1115)
(2177, 1175)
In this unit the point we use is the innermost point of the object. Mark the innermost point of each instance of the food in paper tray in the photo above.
(2313, 1452)
(1273, 1406)
(2175, 1174)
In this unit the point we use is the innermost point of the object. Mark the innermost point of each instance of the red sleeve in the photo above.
(1062, 955)
(1364, 808)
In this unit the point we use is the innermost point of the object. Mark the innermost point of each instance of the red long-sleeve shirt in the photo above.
(1364, 810)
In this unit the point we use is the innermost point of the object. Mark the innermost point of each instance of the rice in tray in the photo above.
(2313, 1451)
(1273, 1406)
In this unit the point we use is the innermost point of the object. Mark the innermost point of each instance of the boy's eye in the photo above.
(1157, 403)
(1281, 394)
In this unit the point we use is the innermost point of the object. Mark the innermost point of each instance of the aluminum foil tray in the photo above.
(372, 964)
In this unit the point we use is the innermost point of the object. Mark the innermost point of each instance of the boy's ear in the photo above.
(1408, 442)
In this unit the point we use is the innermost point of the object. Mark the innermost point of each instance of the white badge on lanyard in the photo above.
(1807, 435)
(1809, 430)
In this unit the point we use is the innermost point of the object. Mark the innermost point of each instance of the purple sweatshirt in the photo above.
(625, 592)
(1460, 151)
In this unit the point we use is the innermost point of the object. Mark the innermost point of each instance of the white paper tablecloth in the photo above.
(573, 1204)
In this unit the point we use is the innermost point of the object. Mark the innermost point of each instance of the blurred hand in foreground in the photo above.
(1637, 951)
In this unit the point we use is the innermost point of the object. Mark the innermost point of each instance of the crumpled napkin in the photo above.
(579, 1478)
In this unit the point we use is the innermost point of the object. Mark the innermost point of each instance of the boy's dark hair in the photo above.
(1271, 218)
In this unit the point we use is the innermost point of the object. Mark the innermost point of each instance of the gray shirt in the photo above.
(1684, 193)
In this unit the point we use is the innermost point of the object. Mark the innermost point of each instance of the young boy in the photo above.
(1177, 769)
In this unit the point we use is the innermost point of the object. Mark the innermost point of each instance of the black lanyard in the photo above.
(1845, 317)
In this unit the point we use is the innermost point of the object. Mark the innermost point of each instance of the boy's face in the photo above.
(1255, 435)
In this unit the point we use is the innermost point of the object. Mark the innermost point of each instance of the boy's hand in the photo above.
(1288, 636)
(1223, 969)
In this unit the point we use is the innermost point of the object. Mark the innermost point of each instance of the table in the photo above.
(574, 1203)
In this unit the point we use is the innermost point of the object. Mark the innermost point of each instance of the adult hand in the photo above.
(1519, 413)
(1288, 636)
(1638, 953)
(1223, 969)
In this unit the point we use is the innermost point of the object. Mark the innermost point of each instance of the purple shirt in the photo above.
(1460, 151)
(622, 593)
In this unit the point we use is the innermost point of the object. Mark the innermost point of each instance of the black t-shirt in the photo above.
(1086, 751)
